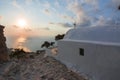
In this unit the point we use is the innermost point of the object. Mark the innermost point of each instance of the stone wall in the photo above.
(3, 49)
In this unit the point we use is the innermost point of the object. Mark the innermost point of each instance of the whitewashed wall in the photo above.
(100, 61)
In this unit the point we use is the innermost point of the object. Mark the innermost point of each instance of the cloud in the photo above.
(102, 21)
(66, 17)
(89, 12)
(81, 16)
(116, 3)
(113, 5)
(15, 3)
(65, 25)
(91, 2)
(48, 8)
(51, 23)
(57, 4)
(47, 12)
(46, 28)
(15, 26)
(47, 5)
(28, 1)
(25, 29)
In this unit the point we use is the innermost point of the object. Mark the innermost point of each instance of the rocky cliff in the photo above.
(3, 48)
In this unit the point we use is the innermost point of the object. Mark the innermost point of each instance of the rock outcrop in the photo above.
(3, 49)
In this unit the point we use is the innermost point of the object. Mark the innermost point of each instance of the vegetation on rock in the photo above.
(17, 53)
(59, 37)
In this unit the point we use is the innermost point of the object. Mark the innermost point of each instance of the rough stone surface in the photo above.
(3, 48)
(40, 68)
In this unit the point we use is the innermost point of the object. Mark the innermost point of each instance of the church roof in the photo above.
(96, 33)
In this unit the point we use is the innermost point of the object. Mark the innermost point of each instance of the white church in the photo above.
(93, 51)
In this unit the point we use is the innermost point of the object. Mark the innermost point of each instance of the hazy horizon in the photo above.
(28, 44)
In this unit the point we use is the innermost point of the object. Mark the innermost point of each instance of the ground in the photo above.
(41, 67)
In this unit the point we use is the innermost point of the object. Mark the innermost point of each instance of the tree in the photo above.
(59, 37)
(45, 44)
(17, 53)
(52, 43)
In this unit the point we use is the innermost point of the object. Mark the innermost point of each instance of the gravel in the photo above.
(39, 68)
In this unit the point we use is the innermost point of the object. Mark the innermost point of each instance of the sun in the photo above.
(21, 23)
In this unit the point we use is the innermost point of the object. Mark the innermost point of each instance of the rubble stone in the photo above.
(39, 68)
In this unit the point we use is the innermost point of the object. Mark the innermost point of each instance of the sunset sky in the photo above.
(28, 18)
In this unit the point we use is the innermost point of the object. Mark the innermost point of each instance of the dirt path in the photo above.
(39, 68)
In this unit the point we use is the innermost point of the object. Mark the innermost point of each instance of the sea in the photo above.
(31, 44)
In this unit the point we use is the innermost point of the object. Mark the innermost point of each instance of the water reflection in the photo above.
(20, 43)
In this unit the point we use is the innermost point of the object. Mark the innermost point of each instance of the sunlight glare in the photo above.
(22, 23)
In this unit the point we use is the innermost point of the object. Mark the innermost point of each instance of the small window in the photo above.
(81, 51)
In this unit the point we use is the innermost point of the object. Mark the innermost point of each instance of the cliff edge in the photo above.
(3, 48)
